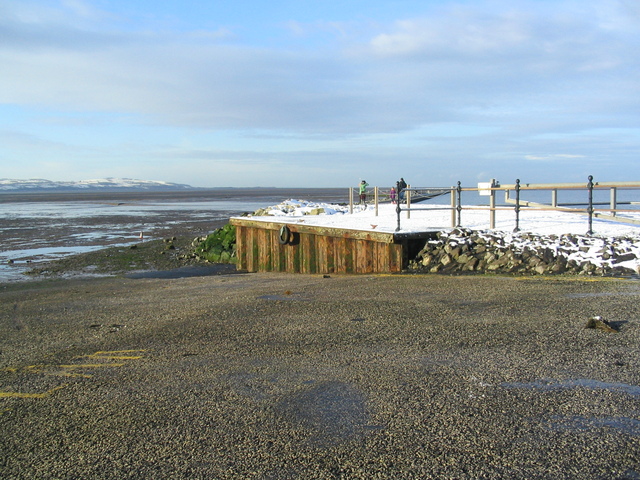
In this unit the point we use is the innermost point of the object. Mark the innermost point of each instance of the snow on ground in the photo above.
(546, 226)
(424, 217)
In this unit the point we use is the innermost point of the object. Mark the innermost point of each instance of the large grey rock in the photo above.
(463, 250)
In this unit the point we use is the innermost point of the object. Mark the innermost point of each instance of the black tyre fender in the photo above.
(284, 236)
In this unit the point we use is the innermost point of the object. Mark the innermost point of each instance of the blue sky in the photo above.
(318, 94)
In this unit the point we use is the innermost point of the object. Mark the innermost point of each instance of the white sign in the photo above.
(484, 188)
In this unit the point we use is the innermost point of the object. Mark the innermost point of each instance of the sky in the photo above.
(320, 94)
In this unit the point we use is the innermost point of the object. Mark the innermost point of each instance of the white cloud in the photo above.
(552, 157)
(422, 72)
(464, 33)
(530, 79)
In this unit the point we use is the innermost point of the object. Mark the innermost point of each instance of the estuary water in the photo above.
(39, 227)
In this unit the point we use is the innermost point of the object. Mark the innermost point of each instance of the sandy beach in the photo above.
(275, 376)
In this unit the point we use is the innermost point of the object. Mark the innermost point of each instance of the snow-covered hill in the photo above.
(103, 184)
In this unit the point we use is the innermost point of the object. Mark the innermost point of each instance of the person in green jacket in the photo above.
(363, 192)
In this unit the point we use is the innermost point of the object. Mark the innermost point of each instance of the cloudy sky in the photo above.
(317, 94)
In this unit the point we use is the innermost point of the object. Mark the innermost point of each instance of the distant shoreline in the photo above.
(191, 194)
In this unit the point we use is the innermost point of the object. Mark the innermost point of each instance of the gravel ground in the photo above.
(277, 376)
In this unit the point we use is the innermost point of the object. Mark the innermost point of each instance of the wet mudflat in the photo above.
(273, 376)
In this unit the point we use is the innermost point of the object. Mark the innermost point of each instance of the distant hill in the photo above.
(100, 185)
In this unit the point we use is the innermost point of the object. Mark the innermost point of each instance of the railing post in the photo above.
(375, 199)
(453, 207)
(590, 207)
(613, 203)
(350, 200)
(554, 198)
(459, 206)
(408, 201)
(398, 209)
(517, 229)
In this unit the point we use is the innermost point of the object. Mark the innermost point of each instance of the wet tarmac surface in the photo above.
(272, 376)
(189, 271)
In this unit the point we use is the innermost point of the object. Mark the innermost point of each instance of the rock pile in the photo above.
(465, 250)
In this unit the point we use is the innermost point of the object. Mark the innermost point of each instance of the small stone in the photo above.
(601, 324)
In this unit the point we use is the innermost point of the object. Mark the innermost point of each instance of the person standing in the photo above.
(363, 192)
(402, 185)
(392, 195)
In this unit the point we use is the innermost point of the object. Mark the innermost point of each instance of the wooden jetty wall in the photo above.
(313, 249)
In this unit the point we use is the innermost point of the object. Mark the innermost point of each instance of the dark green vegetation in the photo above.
(219, 246)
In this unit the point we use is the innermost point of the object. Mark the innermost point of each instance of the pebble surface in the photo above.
(277, 376)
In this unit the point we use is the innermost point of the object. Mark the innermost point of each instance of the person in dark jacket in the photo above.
(401, 186)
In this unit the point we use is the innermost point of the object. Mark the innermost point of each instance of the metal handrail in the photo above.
(520, 205)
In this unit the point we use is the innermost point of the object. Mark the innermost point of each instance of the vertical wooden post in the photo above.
(590, 207)
(350, 200)
(613, 201)
(554, 197)
(408, 201)
(517, 208)
(492, 209)
(453, 207)
(375, 198)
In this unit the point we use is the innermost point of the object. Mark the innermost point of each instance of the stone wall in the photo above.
(464, 250)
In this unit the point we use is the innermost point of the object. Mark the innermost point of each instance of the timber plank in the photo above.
(240, 249)
(259, 250)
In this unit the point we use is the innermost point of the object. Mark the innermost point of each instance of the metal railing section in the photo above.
(514, 202)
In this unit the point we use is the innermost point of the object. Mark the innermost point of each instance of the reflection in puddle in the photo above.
(281, 297)
(14, 264)
(46, 253)
(546, 385)
(602, 294)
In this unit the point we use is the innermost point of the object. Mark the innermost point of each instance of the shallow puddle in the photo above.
(627, 425)
(602, 294)
(282, 298)
(333, 412)
(547, 385)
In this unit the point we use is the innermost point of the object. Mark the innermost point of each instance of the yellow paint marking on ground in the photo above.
(35, 368)
(107, 357)
(112, 352)
(92, 365)
(110, 357)
(31, 395)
